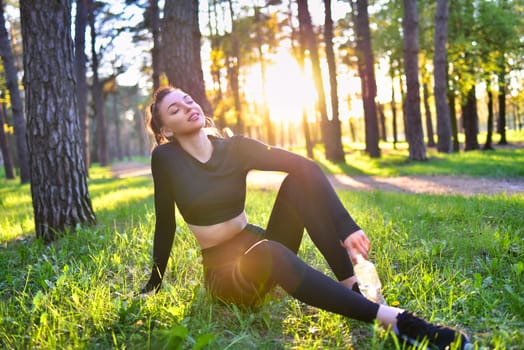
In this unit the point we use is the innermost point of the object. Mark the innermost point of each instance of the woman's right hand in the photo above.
(357, 243)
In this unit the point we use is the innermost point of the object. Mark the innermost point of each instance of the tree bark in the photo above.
(58, 173)
(427, 112)
(155, 52)
(367, 75)
(489, 137)
(440, 78)
(414, 134)
(337, 151)
(97, 92)
(470, 120)
(4, 147)
(304, 19)
(80, 72)
(300, 53)
(270, 132)
(17, 107)
(181, 50)
(502, 102)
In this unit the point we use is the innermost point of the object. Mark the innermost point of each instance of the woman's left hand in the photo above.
(357, 243)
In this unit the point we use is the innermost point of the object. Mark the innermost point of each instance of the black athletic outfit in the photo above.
(246, 266)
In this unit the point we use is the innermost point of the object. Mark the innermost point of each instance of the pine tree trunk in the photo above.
(502, 102)
(393, 108)
(155, 52)
(337, 151)
(367, 75)
(11, 79)
(440, 67)
(427, 112)
(304, 19)
(489, 137)
(414, 134)
(4, 147)
(80, 72)
(58, 174)
(470, 120)
(97, 93)
(181, 50)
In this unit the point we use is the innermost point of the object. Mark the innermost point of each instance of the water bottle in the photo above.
(368, 280)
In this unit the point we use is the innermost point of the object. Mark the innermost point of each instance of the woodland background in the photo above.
(420, 72)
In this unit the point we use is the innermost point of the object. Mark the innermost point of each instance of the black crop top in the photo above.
(215, 191)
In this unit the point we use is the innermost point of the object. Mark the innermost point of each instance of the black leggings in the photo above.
(244, 268)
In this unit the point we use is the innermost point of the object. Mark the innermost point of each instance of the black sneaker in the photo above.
(414, 330)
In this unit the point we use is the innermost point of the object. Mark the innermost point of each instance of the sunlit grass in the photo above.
(451, 259)
(503, 162)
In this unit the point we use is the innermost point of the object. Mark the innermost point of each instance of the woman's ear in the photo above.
(167, 132)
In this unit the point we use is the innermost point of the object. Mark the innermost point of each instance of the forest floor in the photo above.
(437, 184)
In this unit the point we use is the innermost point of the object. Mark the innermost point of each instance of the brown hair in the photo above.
(154, 122)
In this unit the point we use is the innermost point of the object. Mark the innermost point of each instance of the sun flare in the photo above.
(289, 90)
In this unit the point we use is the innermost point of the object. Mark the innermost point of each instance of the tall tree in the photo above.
(97, 86)
(367, 74)
(80, 72)
(155, 52)
(181, 49)
(306, 27)
(301, 58)
(415, 136)
(440, 77)
(11, 78)
(4, 147)
(337, 151)
(58, 173)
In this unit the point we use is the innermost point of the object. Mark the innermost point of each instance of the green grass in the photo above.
(453, 260)
(504, 162)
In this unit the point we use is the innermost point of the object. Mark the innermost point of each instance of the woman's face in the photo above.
(180, 115)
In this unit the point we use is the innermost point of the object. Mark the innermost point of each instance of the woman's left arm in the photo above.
(314, 182)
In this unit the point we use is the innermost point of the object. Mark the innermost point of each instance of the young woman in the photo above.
(205, 176)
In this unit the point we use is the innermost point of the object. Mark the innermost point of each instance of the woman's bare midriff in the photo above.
(209, 236)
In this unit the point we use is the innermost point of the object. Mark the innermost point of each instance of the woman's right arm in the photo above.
(165, 225)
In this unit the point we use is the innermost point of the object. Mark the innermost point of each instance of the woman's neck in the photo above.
(197, 145)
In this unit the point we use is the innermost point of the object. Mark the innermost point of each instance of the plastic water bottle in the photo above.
(368, 280)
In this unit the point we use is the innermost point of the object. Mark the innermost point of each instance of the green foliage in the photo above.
(451, 259)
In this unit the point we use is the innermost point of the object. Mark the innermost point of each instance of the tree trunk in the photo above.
(470, 120)
(17, 107)
(337, 151)
(58, 173)
(414, 134)
(502, 102)
(304, 19)
(80, 72)
(181, 50)
(270, 132)
(382, 119)
(489, 137)
(440, 78)
(155, 52)
(301, 62)
(393, 107)
(4, 147)
(427, 112)
(118, 129)
(367, 75)
(453, 119)
(97, 92)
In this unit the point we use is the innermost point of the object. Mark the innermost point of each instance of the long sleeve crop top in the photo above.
(215, 191)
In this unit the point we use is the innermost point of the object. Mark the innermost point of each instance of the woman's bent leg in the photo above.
(300, 206)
